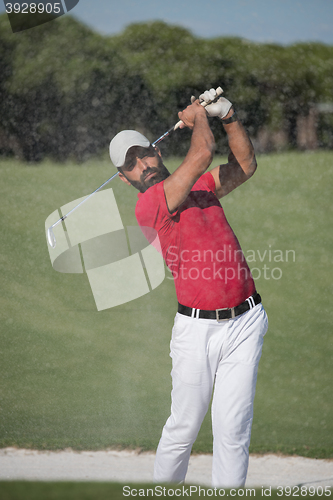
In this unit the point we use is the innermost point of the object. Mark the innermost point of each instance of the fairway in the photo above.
(75, 377)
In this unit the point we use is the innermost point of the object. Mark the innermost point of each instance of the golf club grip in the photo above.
(219, 92)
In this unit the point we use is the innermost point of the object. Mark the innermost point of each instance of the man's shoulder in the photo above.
(151, 204)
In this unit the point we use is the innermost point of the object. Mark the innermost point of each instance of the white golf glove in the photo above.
(220, 108)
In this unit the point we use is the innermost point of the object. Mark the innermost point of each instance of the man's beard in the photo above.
(160, 174)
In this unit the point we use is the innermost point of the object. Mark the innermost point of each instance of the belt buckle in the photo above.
(232, 309)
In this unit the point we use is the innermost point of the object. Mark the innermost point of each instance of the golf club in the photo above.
(50, 234)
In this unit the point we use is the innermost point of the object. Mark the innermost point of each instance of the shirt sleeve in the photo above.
(208, 180)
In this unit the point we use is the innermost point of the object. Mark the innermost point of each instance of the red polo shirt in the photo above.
(198, 246)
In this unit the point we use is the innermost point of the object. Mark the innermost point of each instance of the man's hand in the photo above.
(189, 114)
(220, 108)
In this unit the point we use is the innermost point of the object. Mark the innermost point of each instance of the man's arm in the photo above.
(241, 161)
(178, 185)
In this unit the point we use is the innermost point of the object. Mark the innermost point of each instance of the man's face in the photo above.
(143, 168)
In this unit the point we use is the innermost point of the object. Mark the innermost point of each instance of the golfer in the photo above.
(218, 330)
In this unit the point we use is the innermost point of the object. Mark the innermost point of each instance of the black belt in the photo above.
(221, 314)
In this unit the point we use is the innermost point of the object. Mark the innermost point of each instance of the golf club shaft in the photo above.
(168, 132)
(83, 201)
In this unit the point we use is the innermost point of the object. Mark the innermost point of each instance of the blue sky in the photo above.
(281, 21)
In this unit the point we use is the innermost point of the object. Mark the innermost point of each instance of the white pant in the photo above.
(205, 351)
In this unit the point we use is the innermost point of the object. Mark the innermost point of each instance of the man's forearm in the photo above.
(240, 145)
(178, 185)
(202, 142)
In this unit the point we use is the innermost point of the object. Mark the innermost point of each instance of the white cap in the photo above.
(121, 143)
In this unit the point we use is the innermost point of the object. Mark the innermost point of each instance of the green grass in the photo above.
(75, 377)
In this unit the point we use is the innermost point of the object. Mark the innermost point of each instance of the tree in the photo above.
(66, 90)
